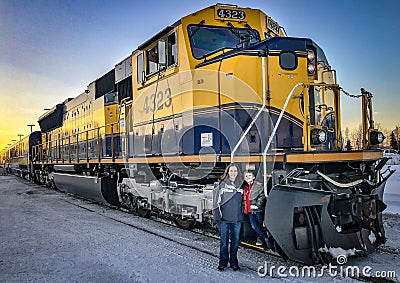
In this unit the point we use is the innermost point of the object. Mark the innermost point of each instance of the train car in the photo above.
(224, 84)
(19, 156)
(82, 130)
(4, 157)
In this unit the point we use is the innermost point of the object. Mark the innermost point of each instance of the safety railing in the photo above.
(271, 137)
(80, 147)
(258, 113)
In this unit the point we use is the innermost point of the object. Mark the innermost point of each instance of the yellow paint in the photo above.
(334, 156)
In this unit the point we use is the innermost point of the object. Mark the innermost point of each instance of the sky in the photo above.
(51, 50)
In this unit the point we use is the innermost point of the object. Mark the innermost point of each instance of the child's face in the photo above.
(249, 178)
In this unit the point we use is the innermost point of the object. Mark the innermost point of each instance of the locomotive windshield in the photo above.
(206, 40)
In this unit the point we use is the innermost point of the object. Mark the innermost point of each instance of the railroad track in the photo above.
(389, 250)
(271, 257)
(169, 223)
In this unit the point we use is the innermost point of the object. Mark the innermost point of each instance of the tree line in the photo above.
(353, 138)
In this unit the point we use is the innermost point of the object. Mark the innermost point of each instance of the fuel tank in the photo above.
(100, 189)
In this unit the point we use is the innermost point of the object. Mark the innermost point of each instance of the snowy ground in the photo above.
(47, 236)
(394, 158)
(392, 190)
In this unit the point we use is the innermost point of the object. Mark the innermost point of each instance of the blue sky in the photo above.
(51, 50)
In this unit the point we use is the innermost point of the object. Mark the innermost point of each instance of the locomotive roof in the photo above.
(178, 22)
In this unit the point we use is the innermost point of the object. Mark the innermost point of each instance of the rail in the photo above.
(264, 155)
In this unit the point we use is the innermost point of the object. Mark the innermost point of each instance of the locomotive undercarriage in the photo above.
(313, 210)
(181, 197)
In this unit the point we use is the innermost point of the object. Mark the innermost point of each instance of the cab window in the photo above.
(288, 60)
(172, 50)
(110, 98)
(140, 68)
(206, 40)
(163, 55)
(152, 60)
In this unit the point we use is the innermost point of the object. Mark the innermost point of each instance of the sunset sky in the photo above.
(51, 50)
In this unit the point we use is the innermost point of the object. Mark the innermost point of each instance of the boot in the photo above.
(259, 242)
(269, 243)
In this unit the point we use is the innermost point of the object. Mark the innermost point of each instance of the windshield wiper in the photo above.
(233, 30)
(244, 39)
(196, 28)
(253, 34)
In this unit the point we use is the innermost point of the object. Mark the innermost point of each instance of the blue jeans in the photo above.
(256, 222)
(228, 231)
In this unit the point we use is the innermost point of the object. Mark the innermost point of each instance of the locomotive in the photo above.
(224, 84)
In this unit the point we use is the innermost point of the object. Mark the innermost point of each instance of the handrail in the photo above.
(77, 148)
(87, 146)
(112, 143)
(69, 149)
(64, 144)
(264, 155)
(62, 149)
(98, 145)
(258, 113)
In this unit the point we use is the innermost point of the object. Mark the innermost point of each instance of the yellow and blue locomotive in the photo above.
(224, 84)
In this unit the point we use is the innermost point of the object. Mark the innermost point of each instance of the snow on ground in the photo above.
(47, 236)
(392, 191)
(394, 158)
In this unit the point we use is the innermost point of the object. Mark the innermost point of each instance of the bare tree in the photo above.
(396, 133)
(356, 137)
(346, 133)
(386, 132)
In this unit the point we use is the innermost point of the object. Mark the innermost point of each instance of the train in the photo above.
(222, 85)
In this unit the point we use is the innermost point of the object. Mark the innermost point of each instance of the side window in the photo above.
(152, 60)
(164, 54)
(172, 50)
(140, 68)
(288, 61)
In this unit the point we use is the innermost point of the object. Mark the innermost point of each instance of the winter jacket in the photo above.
(228, 202)
(257, 197)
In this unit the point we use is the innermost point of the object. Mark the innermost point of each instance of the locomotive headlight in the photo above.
(311, 68)
(318, 136)
(376, 137)
(310, 55)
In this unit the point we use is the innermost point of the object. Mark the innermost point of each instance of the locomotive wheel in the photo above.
(127, 202)
(184, 223)
(143, 212)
